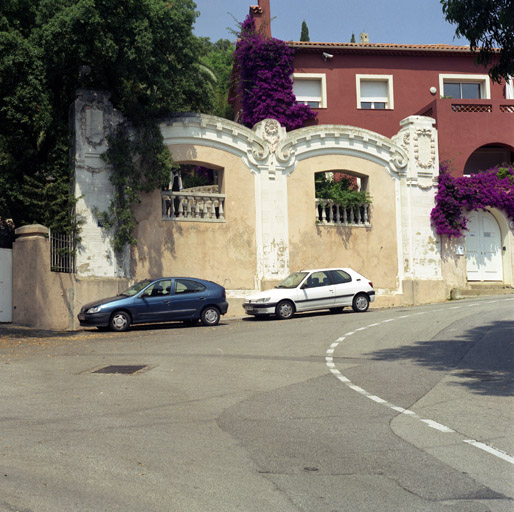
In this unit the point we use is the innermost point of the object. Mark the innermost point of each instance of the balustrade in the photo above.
(330, 213)
(193, 206)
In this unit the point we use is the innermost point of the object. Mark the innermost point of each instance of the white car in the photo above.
(308, 290)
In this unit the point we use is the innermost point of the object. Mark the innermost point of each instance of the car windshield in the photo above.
(135, 288)
(293, 280)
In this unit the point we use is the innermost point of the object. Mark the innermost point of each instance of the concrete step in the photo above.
(481, 289)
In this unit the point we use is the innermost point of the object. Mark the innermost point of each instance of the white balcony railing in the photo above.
(330, 213)
(193, 206)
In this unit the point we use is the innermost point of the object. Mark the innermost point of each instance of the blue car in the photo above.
(165, 299)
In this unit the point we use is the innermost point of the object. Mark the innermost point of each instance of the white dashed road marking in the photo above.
(329, 361)
(493, 451)
(437, 426)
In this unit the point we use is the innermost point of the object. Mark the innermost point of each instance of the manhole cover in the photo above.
(127, 369)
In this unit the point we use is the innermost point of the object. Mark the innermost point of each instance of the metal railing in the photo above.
(62, 252)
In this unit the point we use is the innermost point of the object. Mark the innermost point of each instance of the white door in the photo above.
(483, 248)
(316, 293)
(5, 285)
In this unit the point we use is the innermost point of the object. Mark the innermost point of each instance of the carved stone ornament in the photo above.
(405, 141)
(399, 161)
(271, 134)
(259, 151)
(422, 182)
(424, 148)
(93, 130)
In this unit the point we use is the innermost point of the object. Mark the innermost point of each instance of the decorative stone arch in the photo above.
(344, 140)
(275, 157)
(368, 155)
(194, 137)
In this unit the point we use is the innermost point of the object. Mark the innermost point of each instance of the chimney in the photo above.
(363, 38)
(261, 15)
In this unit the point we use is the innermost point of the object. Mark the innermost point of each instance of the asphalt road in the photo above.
(405, 409)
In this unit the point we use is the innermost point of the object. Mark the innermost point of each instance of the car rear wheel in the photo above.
(360, 303)
(210, 316)
(284, 310)
(120, 321)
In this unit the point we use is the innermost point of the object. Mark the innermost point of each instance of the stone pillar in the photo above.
(31, 257)
(92, 120)
(420, 247)
(271, 202)
(41, 298)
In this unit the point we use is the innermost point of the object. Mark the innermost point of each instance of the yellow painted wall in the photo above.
(370, 251)
(45, 299)
(224, 252)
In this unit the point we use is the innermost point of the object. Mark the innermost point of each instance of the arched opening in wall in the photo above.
(484, 247)
(194, 193)
(342, 198)
(488, 156)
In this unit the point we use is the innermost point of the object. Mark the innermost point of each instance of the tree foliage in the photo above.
(489, 26)
(304, 35)
(342, 191)
(142, 51)
(218, 61)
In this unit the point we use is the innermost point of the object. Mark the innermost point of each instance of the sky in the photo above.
(386, 21)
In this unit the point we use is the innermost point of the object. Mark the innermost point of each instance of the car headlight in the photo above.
(94, 309)
(263, 299)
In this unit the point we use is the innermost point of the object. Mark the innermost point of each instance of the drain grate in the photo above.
(127, 369)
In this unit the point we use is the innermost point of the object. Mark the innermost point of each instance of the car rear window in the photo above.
(188, 286)
(340, 277)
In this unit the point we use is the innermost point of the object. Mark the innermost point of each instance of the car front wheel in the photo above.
(284, 310)
(120, 321)
(360, 303)
(210, 316)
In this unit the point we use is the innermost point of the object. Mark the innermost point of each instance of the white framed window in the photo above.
(310, 89)
(465, 86)
(374, 92)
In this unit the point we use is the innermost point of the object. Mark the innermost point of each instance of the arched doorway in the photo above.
(483, 248)
(488, 156)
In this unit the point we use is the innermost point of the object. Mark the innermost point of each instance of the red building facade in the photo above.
(375, 86)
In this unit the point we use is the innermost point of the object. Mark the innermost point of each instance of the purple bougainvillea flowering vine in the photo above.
(493, 188)
(265, 85)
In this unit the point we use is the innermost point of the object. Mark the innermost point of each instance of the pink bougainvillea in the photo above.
(265, 85)
(493, 188)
